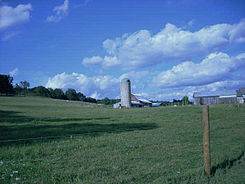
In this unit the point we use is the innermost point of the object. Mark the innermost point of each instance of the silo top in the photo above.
(125, 80)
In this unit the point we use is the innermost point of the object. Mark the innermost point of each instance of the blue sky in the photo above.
(168, 49)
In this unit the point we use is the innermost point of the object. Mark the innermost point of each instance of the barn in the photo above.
(130, 100)
(220, 99)
(138, 101)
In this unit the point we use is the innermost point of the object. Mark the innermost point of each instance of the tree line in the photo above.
(7, 88)
(183, 101)
(22, 89)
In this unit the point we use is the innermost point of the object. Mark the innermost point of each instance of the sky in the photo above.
(167, 48)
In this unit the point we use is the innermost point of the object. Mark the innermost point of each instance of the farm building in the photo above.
(241, 92)
(241, 95)
(130, 100)
(220, 99)
(137, 101)
(125, 88)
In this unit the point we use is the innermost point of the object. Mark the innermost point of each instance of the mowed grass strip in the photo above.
(98, 144)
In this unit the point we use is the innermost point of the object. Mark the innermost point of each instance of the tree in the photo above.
(58, 93)
(71, 94)
(51, 93)
(176, 102)
(81, 96)
(106, 101)
(91, 100)
(41, 91)
(18, 89)
(24, 85)
(185, 100)
(6, 86)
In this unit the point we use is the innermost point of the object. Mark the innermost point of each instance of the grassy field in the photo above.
(53, 141)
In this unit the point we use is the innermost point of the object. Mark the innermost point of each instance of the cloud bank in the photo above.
(142, 49)
(215, 67)
(216, 72)
(96, 87)
(10, 16)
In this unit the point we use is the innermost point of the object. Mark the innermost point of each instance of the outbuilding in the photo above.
(219, 99)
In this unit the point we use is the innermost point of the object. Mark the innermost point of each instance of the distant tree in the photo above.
(59, 94)
(185, 100)
(51, 93)
(106, 101)
(113, 101)
(41, 91)
(71, 94)
(6, 86)
(91, 100)
(18, 89)
(81, 96)
(24, 85)
(176, 102)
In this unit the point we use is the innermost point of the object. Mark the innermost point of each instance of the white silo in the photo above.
(125, 93)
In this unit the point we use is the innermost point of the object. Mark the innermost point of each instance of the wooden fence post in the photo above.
(206, 139)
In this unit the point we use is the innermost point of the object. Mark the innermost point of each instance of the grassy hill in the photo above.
(44, 140)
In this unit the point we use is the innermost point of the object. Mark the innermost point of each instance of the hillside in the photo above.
(43, 140)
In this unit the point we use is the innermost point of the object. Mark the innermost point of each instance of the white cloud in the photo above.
(136, 76)
(14, 72)
(107, 61)
(240, 57)
(215, 67)
(144, 95)
(97, 87)
(142, 49)
(95, 60)
(221, 87)
(10, 16)
(224, 87)
(60, 12)
(95, 95)
(139, 80)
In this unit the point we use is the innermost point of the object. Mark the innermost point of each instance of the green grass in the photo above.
(140, 145)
